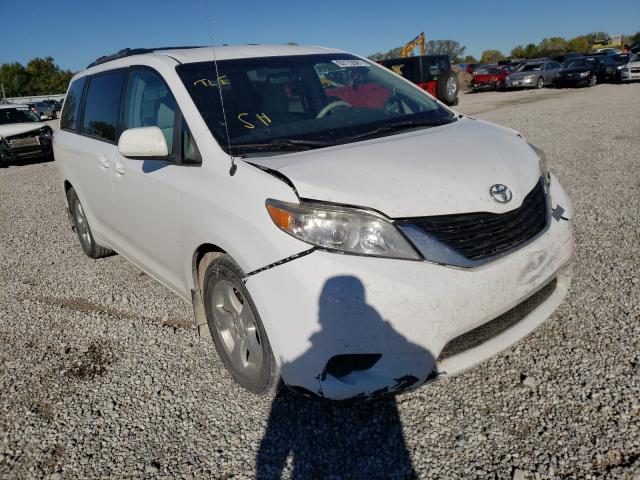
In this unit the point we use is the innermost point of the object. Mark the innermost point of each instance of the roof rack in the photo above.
(127, 52)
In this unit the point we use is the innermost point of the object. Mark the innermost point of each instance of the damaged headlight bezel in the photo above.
(542, 163)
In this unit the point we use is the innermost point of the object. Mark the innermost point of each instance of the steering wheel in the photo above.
(327, 108)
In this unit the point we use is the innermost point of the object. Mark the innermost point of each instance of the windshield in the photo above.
(17, 115)
(488, 70)
(318, 99)
(531, 67)
(635, 58)
(583, 62)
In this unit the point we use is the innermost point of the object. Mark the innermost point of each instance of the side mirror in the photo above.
(143, 142)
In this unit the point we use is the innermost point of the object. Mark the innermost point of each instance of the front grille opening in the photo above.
(482, 235)
(498, 325)
(342, 365)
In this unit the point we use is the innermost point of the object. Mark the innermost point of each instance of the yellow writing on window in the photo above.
(206, 82)
(262, 117)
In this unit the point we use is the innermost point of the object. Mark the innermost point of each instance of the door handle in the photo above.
(119, 169)
(104, 163)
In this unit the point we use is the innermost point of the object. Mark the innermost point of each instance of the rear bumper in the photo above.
(323, 305)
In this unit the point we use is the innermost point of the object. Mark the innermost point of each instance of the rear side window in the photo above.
(71, 107)
(102, 106)
(150, 104)
(407, 68)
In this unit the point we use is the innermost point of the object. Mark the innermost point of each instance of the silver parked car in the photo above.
(533, 74)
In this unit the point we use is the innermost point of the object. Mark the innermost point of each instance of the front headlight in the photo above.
(584, 74)
(542, 161)
(342, 229)
(45, 132)
(529, 77)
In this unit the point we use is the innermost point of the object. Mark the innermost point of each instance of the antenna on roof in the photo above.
(234, 167)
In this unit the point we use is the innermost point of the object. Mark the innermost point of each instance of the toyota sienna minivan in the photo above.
(333, 225)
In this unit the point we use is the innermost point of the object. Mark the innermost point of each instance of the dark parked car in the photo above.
(587, 71)
(430, 72)
(54, 103)
(490, 77)
(566, 57)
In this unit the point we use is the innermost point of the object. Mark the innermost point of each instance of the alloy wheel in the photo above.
(236, 324)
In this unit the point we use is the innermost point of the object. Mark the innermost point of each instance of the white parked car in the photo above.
(22, 134)
(631, 70)
(353, 237)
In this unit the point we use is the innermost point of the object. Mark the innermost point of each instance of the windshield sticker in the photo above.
(350, 63)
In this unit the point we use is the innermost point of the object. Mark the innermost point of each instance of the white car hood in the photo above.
(434, 171)
(18, 128)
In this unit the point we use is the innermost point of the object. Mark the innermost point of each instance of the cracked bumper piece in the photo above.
(342, 326)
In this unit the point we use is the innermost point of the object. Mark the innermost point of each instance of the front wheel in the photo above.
(592, 81)
(81, 226)
(540, 83)
(236, 328)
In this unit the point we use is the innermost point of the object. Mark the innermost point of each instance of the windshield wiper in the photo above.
(393, 127)
(281, 144)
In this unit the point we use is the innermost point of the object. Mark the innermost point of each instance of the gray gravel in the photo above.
(102, 376)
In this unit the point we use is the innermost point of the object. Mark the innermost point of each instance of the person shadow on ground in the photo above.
(312, 437)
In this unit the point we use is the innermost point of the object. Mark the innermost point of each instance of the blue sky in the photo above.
(76, 32)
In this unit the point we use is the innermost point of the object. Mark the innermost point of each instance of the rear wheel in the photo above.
(236, 327)
(447, 88)
(81, 226)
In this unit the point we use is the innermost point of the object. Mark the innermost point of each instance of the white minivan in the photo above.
(332, 224)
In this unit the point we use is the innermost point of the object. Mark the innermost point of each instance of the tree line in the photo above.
(547, 47)
(41, 76)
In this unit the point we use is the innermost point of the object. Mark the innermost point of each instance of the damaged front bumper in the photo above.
(344, 326)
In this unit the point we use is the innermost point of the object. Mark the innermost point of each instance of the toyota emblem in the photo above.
(501, 193)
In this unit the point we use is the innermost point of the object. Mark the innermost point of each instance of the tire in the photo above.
(447, 88)
(239, 337)
(540, 83)
(500, 86)
(82, 229)
(592, 81)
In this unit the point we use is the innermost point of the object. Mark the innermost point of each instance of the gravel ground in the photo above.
(101, 375)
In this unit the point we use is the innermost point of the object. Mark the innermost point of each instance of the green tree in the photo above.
(549, 47)
(469, 59)
(446, 47)
(531, 51)
(631, 39)
(491, 56)
(519, 52)
(579, 44)
(393, 53)
(15, 79)
(41, 76)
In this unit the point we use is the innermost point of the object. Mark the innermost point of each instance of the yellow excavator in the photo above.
(419, 42)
